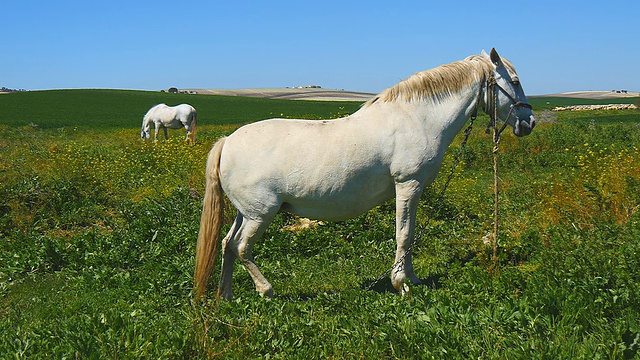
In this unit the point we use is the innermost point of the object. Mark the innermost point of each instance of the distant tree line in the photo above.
(6, 89)
(175, 90)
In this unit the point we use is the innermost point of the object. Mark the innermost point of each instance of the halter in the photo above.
(491, 105)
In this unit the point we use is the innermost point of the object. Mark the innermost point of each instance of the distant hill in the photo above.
(346, 95)
(303, 93)
(599, 95)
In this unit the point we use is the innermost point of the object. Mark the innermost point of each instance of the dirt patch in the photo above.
(301, 224)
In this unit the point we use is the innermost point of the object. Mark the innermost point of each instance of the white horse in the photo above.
(172, 117)
(393, 146)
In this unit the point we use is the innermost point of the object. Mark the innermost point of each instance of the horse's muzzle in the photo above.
(524, 127)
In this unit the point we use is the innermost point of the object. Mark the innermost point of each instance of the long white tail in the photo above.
(212, 213)
(192, 126)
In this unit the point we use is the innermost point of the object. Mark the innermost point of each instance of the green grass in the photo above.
(98, 237)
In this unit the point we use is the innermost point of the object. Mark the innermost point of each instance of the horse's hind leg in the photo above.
(228, 259)
(240, 241)
(188, 136)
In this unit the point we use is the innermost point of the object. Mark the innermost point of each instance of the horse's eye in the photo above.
(515, 82)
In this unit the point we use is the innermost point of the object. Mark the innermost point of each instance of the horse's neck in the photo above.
(455, 111)
(443, 118)
(146, 122)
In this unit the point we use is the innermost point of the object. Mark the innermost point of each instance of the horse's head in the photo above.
(504, 94)
(145, 131)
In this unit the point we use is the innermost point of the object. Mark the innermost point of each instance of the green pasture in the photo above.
(98, 231)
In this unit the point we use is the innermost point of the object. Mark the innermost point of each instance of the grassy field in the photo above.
(98, 236)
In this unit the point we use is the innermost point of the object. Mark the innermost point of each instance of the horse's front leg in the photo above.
(166, 135)
(407, 197)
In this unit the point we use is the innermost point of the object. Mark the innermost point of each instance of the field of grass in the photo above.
(98, 234)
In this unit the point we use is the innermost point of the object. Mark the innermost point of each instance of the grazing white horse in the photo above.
(172, 117)
(393, 146)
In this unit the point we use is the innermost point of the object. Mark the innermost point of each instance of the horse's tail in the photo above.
(194, 127)
(212, 211)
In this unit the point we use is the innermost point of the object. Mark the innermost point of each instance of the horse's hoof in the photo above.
(266, 293)
(225, 295)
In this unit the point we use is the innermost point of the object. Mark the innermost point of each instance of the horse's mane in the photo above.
(440, 82)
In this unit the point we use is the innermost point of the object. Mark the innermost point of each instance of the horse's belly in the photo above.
(174, 124)
(340, 204)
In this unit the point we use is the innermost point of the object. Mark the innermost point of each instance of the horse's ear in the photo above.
(495, 58)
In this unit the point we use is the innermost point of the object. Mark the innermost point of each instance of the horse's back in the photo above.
(155, 110)
(164, 110)
(186, 107)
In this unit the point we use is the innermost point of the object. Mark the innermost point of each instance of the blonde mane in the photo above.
(440, 82)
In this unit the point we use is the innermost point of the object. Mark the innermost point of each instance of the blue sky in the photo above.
(556, 46)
